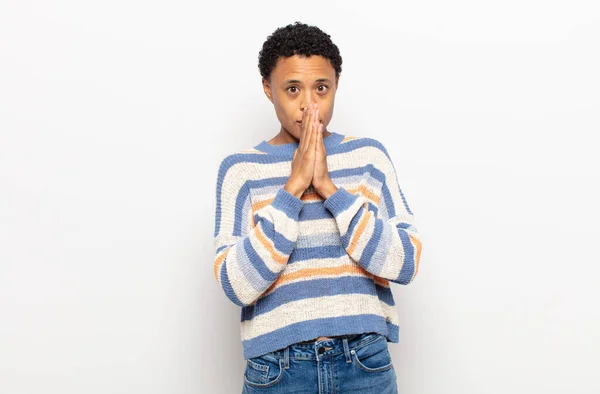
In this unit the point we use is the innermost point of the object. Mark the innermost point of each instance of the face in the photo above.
(297, 81)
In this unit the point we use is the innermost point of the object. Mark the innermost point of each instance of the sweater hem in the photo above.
(305, 331)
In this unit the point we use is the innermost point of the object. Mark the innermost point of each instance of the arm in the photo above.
(248, 261)
(386, 247)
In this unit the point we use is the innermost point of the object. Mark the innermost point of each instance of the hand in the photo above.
(303, 162)
(321, 180)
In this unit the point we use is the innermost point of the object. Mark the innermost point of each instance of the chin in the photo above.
(295, 134)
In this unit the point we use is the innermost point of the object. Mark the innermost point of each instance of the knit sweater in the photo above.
(305, 267)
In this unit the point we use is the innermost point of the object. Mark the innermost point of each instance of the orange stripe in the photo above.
(417, 244)
(258, 205)
(218, 261)
(358, 232)
(278, 258)
(310, 272)
(381, 281)
(362, 189)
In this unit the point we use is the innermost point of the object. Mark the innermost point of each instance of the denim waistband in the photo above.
(317, 349)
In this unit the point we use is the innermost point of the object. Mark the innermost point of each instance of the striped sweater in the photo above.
(305, 267)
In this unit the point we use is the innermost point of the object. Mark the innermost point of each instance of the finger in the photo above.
(314, 131)
(302, 127)
(321, 127)
(309, 129)
(305, 125)
(320, 147)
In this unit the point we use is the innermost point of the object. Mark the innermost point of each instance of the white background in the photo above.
(114, 116)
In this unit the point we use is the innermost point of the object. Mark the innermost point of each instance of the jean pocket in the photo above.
(374, 356)
(263, 371)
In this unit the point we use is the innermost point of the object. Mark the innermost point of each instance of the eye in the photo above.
(292, 87)
(325, 86)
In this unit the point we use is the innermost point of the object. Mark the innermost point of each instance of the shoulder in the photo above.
(239, 163)
(369, 146)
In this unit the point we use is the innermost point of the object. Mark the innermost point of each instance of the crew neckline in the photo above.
(288, 149)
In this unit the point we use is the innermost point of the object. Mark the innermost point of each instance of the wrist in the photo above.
(294, 189)
(328, 189)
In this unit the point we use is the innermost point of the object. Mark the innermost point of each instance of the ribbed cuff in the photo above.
(288, 203)
(339, 201)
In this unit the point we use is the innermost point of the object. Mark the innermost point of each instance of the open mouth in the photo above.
(299, 123)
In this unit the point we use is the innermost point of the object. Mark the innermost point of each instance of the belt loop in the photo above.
(347, 350)
(286, 357)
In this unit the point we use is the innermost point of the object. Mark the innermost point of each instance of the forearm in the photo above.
(390, 249)
(247, 267)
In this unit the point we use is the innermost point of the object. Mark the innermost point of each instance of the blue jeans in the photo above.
(358, 363)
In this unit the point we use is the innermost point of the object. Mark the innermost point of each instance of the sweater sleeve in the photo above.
(249, 258)
(386, 246)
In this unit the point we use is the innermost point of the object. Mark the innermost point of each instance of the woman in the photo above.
(310, 229)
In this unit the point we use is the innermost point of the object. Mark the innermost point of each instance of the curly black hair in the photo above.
(297, 39)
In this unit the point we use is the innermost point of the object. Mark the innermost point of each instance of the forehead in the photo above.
(300, 67)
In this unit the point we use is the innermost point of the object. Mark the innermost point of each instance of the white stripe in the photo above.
(309, 309)
(237, 279)
(323, 227)
(391, 312)
(317, 240)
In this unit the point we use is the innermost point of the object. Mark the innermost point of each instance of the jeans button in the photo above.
(321, 350)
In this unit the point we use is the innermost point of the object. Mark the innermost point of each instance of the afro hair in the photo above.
(297, 39)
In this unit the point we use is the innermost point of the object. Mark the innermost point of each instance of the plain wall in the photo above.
(114, 117)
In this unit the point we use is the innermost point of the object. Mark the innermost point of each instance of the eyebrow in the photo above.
(297, 81)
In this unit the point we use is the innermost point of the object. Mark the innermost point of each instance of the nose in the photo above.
(308, 103)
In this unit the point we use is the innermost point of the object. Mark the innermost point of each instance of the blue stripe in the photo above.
(287, 203)
(265, 182)
(240, 201)
(309, 288)
(352, 145)
(393, 332)
(250, 271)
(280, 241)
(346, 238)
(373, 208)
(317, 252)
(385, 295)
(227, 286)
(314, 211)
(317, 211)
(372, 244)
(408, 266)
(220, 248)
(258, 262)
(386, 196)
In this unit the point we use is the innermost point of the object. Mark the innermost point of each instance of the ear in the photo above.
(267, 89)
(337, 82)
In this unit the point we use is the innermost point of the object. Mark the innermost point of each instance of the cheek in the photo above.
(328, 116)
(284, 113)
